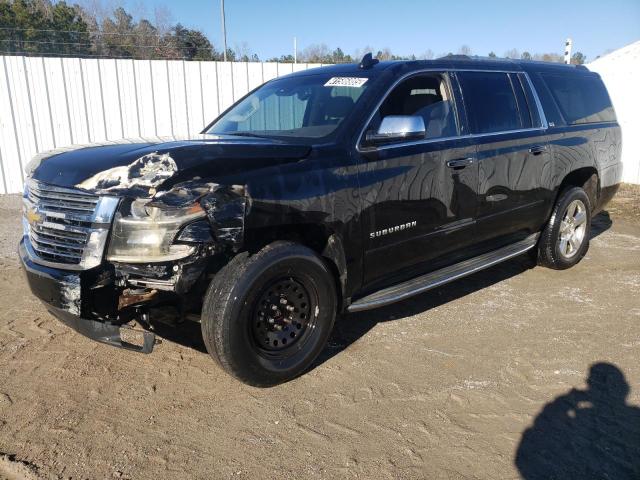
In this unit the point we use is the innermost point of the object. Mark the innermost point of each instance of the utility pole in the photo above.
(224, 31)
(295, 50)
(567, 51)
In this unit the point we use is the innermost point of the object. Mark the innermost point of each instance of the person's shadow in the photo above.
(585, 434)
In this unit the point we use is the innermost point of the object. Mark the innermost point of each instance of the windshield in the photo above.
(310, 107)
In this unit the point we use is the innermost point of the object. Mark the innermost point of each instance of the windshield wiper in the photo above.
(244, 134)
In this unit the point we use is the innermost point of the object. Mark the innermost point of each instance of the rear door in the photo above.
(419, 196)
(514, 174)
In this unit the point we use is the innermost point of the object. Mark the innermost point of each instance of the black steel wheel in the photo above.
(282, 317)
(267, 316)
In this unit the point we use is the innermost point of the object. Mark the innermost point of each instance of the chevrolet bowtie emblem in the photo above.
(33, 216)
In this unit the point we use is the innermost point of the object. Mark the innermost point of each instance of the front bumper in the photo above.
(60, 291)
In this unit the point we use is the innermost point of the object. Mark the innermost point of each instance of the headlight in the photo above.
(144, 234)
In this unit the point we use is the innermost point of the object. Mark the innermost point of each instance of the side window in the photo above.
(549, 106)
(523, 107)
(428, 96)
(581, 98)
(536, 121)
(490, 102)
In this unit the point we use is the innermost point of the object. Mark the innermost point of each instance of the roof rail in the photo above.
(455, 57)
(368, 61)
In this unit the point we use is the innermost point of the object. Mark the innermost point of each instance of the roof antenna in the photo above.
(368, 61)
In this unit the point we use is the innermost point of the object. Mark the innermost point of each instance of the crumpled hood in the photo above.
(141, 167)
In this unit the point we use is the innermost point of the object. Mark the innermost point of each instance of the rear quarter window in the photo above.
(580, 98)
(551, 110)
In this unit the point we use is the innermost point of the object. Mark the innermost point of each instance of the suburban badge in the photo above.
(397, 228)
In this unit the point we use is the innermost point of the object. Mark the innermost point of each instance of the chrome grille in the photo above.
(64, 227)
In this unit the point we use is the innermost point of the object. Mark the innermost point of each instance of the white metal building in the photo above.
(620, 71)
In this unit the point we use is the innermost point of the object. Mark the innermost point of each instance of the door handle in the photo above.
(538, 149)
(459, 163)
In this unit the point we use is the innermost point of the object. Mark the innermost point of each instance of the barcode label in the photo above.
(355, 82)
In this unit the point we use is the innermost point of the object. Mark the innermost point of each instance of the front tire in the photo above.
(565, 239)
(266, 317)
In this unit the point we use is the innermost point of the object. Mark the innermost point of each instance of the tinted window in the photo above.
(551, 111)
(531, 102)
(490, 102)
(523, 107)
(427, 96)
(581, 98)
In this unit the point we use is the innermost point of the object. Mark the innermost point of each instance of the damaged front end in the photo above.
(162, 248)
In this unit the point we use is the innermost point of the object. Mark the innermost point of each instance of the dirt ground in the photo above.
(484, 378)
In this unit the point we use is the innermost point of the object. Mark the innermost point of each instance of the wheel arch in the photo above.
(322, 240)
(586, 178)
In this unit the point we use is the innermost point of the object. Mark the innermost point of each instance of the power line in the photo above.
(55, 42)
(87, 55)
(86, 32)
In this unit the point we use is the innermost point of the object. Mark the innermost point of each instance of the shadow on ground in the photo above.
(585, 434)
(187, 333)
(350, 327)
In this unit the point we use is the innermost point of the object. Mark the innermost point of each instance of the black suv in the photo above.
(336, 189)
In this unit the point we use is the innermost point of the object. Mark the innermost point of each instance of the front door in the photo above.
(419, 196)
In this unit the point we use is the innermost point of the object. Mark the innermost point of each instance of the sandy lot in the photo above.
(485, 378)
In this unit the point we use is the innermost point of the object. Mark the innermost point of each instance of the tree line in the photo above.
(42, 27)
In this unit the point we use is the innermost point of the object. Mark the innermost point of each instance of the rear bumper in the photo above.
(61, 291)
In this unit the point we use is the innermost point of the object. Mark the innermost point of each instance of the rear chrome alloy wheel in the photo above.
(283, 317)
(572, 229)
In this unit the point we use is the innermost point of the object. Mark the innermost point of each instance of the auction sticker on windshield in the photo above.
(355, 82)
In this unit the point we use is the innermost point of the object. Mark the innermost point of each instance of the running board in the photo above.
(440, 277)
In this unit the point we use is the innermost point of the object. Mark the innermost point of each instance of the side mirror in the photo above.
(395, 128)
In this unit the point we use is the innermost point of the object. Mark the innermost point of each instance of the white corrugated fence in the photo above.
(620, 71)
(51, 102)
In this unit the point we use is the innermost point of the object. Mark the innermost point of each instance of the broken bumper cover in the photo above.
(57, 289)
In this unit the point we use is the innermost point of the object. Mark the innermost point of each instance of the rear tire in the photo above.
(266, 317)
(565, 239)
